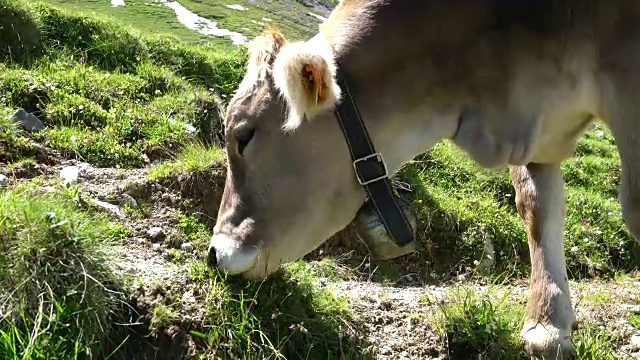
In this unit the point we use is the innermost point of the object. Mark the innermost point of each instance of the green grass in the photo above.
(60, 297)
(115, 97)
(290, 17)
(595, 343)
(486, 324)
(286, 316)
(105, 92)
(193, 158)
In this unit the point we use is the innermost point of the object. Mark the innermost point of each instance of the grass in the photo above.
(107, 93)
(290, 17)
(60, 298)
(480, 323)
(193, 158)
(114, 97)
(286, 316)
(486, 325)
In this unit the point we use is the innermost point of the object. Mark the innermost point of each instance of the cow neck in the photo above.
(369, 166)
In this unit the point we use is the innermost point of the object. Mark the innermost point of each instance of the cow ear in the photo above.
(305, 76)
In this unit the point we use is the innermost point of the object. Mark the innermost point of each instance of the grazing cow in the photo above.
(511, 82)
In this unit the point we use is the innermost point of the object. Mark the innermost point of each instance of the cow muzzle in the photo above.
(227, 254)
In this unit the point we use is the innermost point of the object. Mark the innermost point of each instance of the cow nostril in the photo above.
(212, 259)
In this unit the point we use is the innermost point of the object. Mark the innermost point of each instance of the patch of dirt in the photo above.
(394, 319)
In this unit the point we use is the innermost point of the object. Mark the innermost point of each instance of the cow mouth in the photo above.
(229, 255)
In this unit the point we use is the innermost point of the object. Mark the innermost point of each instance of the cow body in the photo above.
(510, 82)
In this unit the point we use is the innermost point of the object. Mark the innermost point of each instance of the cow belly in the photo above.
(559, 136)
(548, 138)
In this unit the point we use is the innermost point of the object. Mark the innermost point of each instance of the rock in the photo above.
(129, 201)
(157, 247)
(189, 130)
(322, 282)
(156, 234)
(4, 181)
(141, 240)
(635, 342)
(114, 209)
(485, 265)
(29, 122)
(84, 168)
(70, 175)
(186, 246)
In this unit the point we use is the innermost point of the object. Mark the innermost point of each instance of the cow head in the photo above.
(290, 182)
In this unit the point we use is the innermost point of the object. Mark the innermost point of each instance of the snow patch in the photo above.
(202, 25)
(237, 7)
(115, 3)
(322, 18)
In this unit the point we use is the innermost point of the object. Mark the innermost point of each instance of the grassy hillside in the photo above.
(248, 19)
(123, 89)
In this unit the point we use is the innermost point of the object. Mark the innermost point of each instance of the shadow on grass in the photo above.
(290, 315)
(19, 35)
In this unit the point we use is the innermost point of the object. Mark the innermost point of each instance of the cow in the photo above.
(513, 83)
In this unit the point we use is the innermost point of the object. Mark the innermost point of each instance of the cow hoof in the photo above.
(547, 342)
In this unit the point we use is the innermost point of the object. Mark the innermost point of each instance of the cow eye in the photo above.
(243, 136)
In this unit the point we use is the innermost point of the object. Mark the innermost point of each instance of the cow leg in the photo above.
(541, 204)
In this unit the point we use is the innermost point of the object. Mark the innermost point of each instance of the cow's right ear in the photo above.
(305, 75)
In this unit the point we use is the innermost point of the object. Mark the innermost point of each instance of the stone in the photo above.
(157, 247)
(129, 201)
(29, 122)
(189, 130)
(156, 234)
(635, 342)
(485, 265)
(4, 181)
(114, 209)
(84, 168)
(70, 175)
(186, 246)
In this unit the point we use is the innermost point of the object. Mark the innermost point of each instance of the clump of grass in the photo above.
(286, 316)
(193, 230)
(597, 297)
(58, 293)
(193, 158)
(595, 343)
(480, 324)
